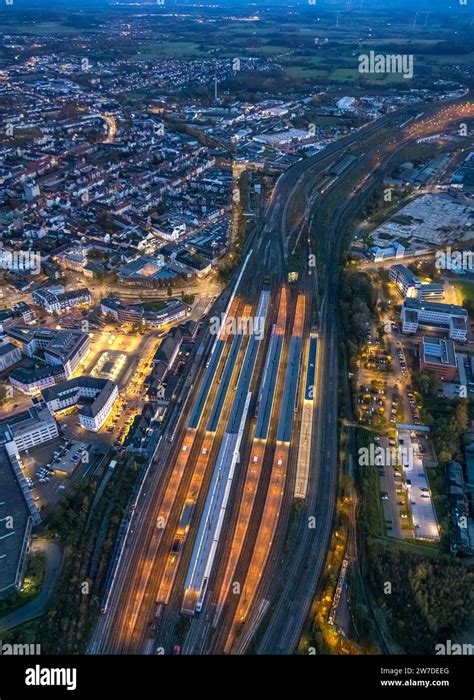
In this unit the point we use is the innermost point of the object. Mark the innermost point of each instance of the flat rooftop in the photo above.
(420, 501)
(420, 305)
(438, 351)
(25, 420)
(14, 506)
(287, 412)
(431, 219)
(269, 386)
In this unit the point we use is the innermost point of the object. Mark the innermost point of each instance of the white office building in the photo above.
(446, 317)
(64, 348)
(404, 279)
(94, 397)
(29, 428)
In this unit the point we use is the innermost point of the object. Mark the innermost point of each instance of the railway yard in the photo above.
(205, 569)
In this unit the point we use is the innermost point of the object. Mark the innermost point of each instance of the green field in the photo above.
(41, 28)
(170, 49)
(288, 38)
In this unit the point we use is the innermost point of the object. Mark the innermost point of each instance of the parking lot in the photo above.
(385, 390)
(47, 486)
(419, 498)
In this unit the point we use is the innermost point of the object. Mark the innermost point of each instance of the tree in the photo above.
(427, 383)
(462, 415)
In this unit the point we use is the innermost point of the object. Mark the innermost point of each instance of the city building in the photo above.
(149, 270)
(404, 279)
(33, 381)
(430, 292)
(10, 354)
(29, 428)
(442, 317)
(379, 254)
(439, 356)
(16, 525)
(95, 398)
(189, 329)
(52, 300)
(21, 311)
(123, 313)
(32, 191)
(74, 258)
(168, 349)
(135, 313)
(138, 437)
(64, 348)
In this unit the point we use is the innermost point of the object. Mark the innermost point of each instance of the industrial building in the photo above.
(379, 254)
